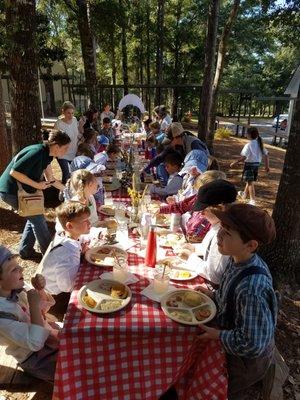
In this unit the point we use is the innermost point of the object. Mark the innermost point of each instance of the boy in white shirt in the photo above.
(23, 329)
(62, 259)
(212, 264)
(252, 155)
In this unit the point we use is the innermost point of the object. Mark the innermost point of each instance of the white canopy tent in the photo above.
(132, 100)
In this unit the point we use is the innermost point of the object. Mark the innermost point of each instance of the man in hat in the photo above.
(246, 301)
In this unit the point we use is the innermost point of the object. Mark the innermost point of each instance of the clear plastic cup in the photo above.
(161, 283)
(120, 271)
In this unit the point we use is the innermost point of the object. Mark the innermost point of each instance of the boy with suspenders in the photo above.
(246, 301)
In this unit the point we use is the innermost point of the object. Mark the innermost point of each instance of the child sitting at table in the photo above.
(173, 164)
(107, 130)
(62, 259)
(28, 337)
(103, 142)
(194, 223)
(246, 302)
(110, 154)
(156, 132)
(81, 187)
(211, 196)
(84, 160)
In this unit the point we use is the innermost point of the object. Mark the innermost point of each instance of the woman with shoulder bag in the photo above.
(25, 171)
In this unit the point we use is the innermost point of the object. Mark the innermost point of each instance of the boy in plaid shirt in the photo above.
(246, 302)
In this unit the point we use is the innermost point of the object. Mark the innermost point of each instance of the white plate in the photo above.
(171, 239)
(108, 262)
(186, 310)
(98, 294)
(176, 265)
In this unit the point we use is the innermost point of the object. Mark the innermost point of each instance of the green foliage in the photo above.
(223, 133)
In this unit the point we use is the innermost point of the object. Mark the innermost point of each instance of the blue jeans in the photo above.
(65, 169)
(36, 228)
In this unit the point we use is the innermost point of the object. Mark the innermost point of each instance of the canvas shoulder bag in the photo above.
(30, 204)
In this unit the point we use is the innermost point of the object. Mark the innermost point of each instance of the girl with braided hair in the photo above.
(81, 187)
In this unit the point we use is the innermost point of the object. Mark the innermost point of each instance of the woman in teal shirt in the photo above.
(27, 167)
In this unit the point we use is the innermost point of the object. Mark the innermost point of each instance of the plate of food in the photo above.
(171, 239)
(109, 223)
(104, 256)
(188, 307)
(163, 220)
(104, 296)
(176, 269)
(107, 210)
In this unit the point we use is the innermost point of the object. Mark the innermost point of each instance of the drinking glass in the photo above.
(108, 200)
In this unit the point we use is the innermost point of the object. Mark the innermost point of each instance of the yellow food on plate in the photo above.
(89, 301)
(181, 274)
(102, 259)
(192, 299)
(118, 291)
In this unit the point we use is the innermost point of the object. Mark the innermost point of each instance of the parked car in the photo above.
(280, 119)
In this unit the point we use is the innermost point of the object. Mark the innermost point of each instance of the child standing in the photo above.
(246, 302)
(252, 154)
(23, 329)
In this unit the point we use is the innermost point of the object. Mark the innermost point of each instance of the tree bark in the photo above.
(283, 255)
(22, 66)
(209, 64)
(222, 49)
(159, 49)
(148, 54)
(88, 49)
(5, 153)
(176, 74)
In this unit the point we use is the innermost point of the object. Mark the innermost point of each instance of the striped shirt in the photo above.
(255, 310)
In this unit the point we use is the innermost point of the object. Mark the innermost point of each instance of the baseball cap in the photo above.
(251, 221)
(5, 255)
(102, 139)
(214, 193)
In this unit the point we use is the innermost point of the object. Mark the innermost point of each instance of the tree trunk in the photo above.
(113, 71)
(88, 49)
(48, 82)
(210, 50)
(148, 55)
(22, 66)
(159, 49)
(176, 74)
(5, 153)
(222, 49)
(283, 255)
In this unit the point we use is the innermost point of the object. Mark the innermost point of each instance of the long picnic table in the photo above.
(136, 353)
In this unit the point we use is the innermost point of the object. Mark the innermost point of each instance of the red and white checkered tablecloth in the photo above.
(136, 353)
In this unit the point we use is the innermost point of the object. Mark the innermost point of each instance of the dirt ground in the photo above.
(288, 332)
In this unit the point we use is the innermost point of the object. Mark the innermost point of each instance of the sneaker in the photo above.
(252, 202)
(241, 194)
